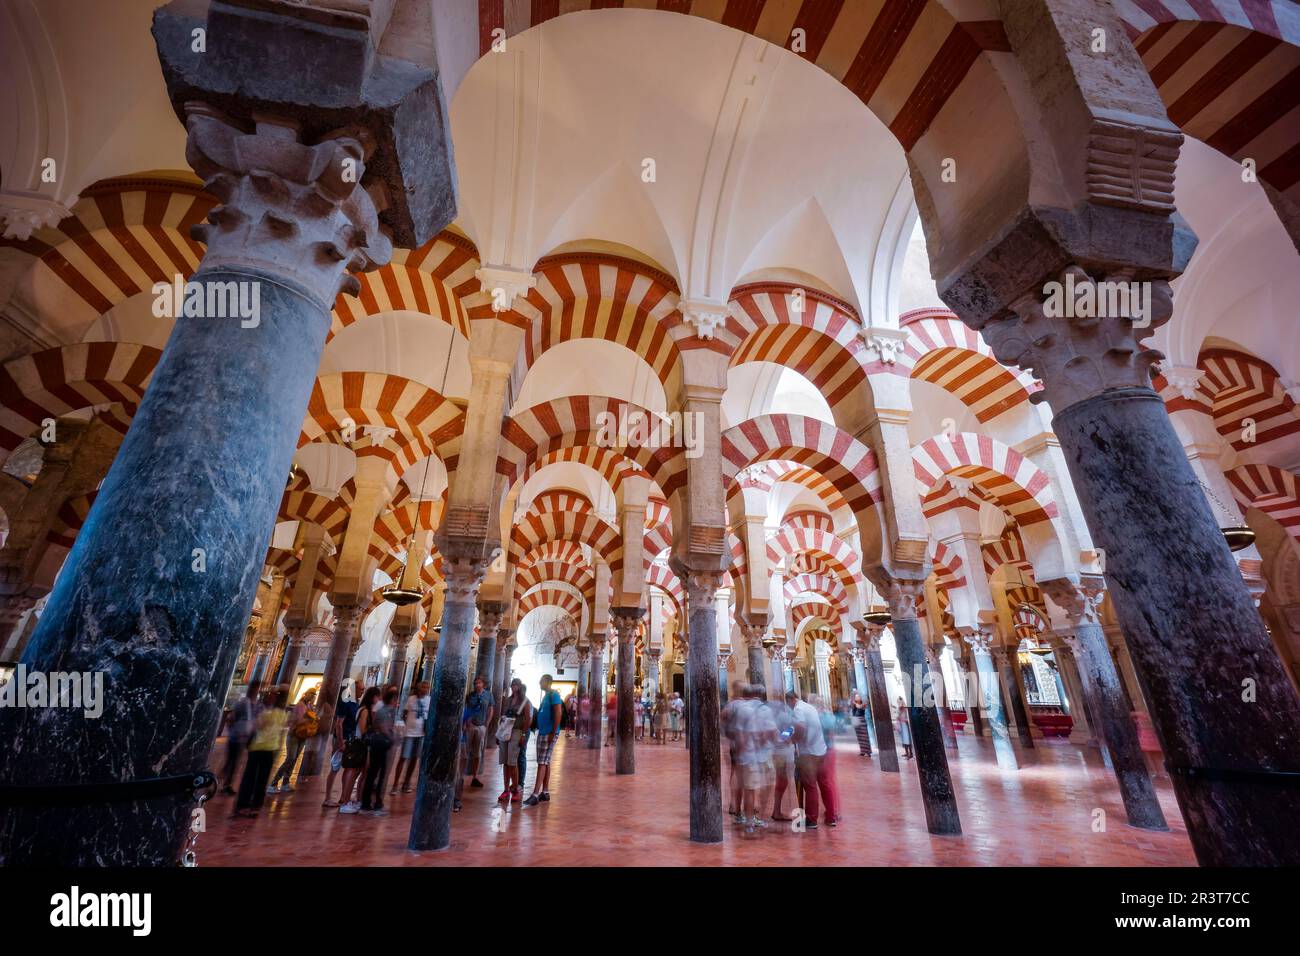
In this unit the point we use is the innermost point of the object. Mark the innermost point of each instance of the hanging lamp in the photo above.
(1238, 537)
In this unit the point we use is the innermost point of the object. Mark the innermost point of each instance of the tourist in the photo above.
(243, 722)
(516, 717)
(302, 728)
(611, 714)
(810, 750)
(675, 709)
(647, 705)
(782, 754)
(904, 728)
(548, 721)
(262, 748)
(349, 755)
(482, 709)
(858, 709)
(377, 726)
(827, 781)
(570, 714)
(657, 716)
(413, 716)
(758, 743)
(730, 726)
(584, 714)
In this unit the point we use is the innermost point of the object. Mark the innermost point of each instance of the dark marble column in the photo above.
(1102, 684)
(981, 645)
(584, 675)
(430, 657)
(933, 656)
(753, 631)
(489, 619)
(625, 620)
(1004, 657)
(595, 728)
(164, 573)
(292, 655)
(346, 639)
(882, 711)
(1192, 630)
(927, 739)
(431, 817)
(703, 724)
(401, 637)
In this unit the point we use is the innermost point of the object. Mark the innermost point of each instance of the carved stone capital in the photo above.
(885, 345)
(490, 614)
(754, 631)
(1081, 333)
(981, 640)
(874, 634)
(504, 634)
(902, 595)
(703, 316)
(625, 620)
(21, 214)
(1081, 600)
(701, 585)
(464, 576)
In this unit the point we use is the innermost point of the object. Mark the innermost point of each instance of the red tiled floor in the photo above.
(1041, 815)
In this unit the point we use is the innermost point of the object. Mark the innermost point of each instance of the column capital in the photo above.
(701, 584)
(504, 634)
(902, 595)
(704, 316)
(295, 210)
(490, 614)
(625, 620)
(981, 639)
(1080, 599)
(754, 630)
(464, 575)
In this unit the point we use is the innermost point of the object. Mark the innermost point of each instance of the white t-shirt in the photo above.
(762, 731)
(782, 718)
(808, 738)
(678, 705)
(417, 708)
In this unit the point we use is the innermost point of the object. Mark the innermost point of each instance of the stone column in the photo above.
(1109, 704)
(970, 688)
(981, 644)
(625, 620)
(430, 645)
(596, 728)
(933, 656)
(821, 668)
(860, 672)
(346, 640)
(754, 630)
(703, 730)
(1188, 618)
(882, 712)
(465, 565)
(1004, 658)
(584, 674)
(652, 671)
(166, 570)
(775, 672)
(401, 638)
(292, 654)
(490, 614)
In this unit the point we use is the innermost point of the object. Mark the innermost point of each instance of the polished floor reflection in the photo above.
(1041, 815)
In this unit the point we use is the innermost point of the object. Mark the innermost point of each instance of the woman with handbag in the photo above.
(262, 748)
(378, 728)
(302, 728)
(516, 718)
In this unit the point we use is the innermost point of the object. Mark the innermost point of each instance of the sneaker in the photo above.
(272, 789)
(757, 824)
(532, 801)
(545, 796)
(810, 825)
(739, 820)
(379, 812)
(476, 782)
(517, 796)
(505, 797)
(350, 808)
(286, 789)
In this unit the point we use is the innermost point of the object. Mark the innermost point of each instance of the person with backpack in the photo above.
(349, 755)
(243, 721)
(516, 718)
(377, 727)
(548, 726)
(271, 723)
(413, 717)
(302, 728)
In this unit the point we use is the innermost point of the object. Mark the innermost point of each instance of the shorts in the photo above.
(411, 747)
(508, 750)
(545, 747)
(759, 776)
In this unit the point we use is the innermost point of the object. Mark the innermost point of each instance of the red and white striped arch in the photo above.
(124, 235)
(394, 527)
(550, 595)
(1228, 71)
(609, 464)
(577, 576)
(1008, 549)
(849, 465)
(1270, 489)
(560, 499)
(826, 621)
(1027, 622)
(534, 530)
(949, 571)
(571, 552)
(823, 585)
(902, 59)
(662, 576)
(1018, 486)
(68, 519)
(432, 280)
(1237, 387)
(376, 398)
(66, 379)
(329, 513)
(796, 539)
(822, 342)
(942, 350)
(593, 296)
(582, 421)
